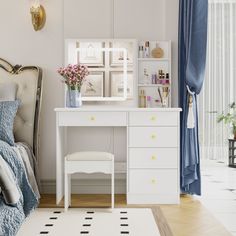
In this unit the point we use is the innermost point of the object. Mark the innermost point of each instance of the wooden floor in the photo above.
(190, 218)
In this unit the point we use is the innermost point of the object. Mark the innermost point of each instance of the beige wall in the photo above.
(171, 33)
(149, 19)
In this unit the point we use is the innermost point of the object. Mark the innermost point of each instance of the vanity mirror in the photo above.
(111, 64)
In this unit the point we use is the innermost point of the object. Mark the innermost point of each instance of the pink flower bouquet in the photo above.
(74, 75)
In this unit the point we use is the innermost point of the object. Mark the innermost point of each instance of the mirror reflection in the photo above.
(111, 66)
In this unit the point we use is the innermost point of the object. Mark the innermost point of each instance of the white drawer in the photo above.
(153, 118)
(153, 157)
(158, 181)
(153, 137)
(92, 119)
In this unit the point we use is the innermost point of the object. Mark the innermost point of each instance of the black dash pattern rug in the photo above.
(91, 222)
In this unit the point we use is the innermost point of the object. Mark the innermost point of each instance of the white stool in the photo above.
(88, 162)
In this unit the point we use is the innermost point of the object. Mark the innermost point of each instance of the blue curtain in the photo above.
(192, 60)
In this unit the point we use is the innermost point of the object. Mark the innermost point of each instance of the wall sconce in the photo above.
(38, 14)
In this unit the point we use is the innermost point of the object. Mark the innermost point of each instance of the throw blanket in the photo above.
(8, 186)
(11, 218)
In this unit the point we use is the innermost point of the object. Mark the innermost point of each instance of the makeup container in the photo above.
(157, 52)
(153, 78)
(147, 50)
(140, 52)
(148, 102)
(167, 78)
(146, 78)
(142, 99)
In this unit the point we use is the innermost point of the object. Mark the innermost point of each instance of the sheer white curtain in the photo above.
(220, 84)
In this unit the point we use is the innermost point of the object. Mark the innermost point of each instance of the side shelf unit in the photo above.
(149, 66)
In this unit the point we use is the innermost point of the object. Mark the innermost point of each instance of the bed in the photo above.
(19, 160)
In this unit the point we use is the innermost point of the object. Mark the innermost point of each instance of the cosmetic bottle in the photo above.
(167, 78)
(148, 102)
(147, 50)
(161, 77)
(160, 74)
(144, 99)
(156, 79)
(153, 78)
(140, 52)
(141, 98)
(146, 79)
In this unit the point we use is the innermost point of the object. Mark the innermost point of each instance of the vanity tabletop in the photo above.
(117, 108)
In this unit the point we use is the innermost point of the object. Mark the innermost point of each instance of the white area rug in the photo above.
(91, 222)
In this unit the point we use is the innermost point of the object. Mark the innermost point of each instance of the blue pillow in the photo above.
(8, 112)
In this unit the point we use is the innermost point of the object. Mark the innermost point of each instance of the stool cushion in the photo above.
(90, 156)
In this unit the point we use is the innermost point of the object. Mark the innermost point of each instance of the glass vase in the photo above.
(73, 98)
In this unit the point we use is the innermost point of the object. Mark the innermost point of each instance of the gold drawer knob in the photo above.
(92, 118)
(153, 181)
(153, 118)
(154, 158)
(153, 136)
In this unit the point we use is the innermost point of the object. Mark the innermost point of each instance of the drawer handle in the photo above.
(153, 181)
(153, 136)
(153, 118)
(154, 158)
(92, 118)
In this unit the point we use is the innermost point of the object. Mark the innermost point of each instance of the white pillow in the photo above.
(8, 91)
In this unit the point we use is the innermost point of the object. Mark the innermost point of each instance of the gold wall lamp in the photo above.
(38, 14)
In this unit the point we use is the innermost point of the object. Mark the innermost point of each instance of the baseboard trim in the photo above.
(86, 186)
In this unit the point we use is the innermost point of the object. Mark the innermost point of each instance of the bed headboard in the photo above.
(29, 81)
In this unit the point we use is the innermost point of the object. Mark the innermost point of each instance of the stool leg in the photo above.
(69, 189)
(112, 187)
(66, 193)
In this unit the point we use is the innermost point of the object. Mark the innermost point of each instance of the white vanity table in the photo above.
(152, 134)
(152, 148)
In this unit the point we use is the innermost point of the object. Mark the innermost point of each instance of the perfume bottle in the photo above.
(153, 78)
(167, 80)
(149, 102)
(161, 76)
(142, 99)
(147, 50)
(140, 52)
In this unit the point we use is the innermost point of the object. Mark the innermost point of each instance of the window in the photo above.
(219, 88)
